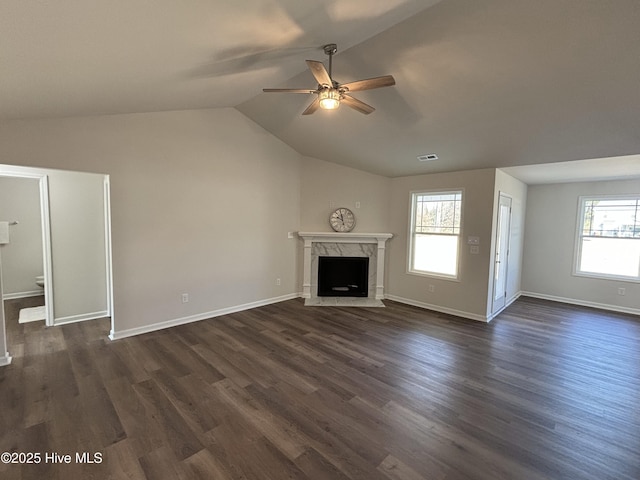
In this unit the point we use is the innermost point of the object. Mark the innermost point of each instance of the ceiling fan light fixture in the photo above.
(330, 94)
(329, 98)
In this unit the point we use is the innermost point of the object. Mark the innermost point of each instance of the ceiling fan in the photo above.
(330, 94)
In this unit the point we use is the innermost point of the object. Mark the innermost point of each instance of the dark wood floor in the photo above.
(545, 391)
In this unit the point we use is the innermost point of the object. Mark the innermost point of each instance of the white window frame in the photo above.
(582, 200)
(411, 234)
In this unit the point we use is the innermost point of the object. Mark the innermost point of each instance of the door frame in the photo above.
(498, 263)
(43, 177)
(43, 183)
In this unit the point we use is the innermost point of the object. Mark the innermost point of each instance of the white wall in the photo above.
(77, 217)
(326, 186)
(517, 190)
(550, 238)
(466, 296)
(22, 258)
(78, 251)
(201, 203)
(385, 206)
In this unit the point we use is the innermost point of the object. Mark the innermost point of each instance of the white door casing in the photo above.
(501, 261)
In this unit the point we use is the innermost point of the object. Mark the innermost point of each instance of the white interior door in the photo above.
(503, 233)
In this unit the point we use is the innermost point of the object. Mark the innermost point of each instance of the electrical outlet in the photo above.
(432, 288)
(622, 291)
(185, 298)
(357, 204)
(278, 282)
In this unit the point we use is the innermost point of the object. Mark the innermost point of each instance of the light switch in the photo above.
(473, 240)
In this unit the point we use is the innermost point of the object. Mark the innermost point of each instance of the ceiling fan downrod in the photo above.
(330, 49)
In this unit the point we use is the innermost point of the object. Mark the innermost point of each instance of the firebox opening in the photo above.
(343, 276)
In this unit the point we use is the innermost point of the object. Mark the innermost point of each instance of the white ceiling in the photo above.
(602, 169)
(482, 83)
(79, 57)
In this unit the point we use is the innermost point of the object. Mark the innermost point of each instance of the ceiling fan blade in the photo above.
(357, 104)
(312, 107)
(288, 90)
(319, 72)
(368, 84)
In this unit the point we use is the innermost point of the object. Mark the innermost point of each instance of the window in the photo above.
(608, 242)
(435, 232)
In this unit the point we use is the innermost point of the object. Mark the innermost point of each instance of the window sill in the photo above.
(439, 276)
(602, 276)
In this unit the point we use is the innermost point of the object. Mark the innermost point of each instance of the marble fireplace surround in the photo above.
(334, 244)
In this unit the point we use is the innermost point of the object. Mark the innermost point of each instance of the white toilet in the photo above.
(40, 281)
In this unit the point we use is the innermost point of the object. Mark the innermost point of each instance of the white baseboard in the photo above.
(12, 296)
(513, 298)
(438, 308)
(80, 318)
(196, 318)
(5, 360)
(509, 301)
(583, 303)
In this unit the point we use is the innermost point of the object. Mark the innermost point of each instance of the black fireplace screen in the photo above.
(343, 276)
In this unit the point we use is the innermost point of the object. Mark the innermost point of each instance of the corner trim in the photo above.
(508, 302)
(5, 360)
(130, 332)
(583, 303)
(438, 308)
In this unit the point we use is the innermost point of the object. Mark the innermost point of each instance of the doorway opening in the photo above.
(76, 241)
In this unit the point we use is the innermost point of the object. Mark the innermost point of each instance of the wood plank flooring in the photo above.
(545, 391)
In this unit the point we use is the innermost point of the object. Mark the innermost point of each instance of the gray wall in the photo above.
(78, 248)
(466, 296)
(385, 207)
(550, 238)
(79, 260)
(326, 186)
(201, 203)
(22, 258)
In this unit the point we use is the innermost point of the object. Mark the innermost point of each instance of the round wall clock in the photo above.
(342, 220)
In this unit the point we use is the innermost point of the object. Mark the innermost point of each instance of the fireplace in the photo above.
(370, 246)
(343, 276)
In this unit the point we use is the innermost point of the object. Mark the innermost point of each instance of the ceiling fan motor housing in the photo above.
(330, 94)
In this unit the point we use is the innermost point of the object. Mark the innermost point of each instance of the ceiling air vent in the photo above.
(428, 157)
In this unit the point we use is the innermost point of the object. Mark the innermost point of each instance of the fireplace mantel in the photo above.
(344, 238)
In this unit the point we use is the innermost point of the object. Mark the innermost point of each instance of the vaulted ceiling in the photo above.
(481, 83)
